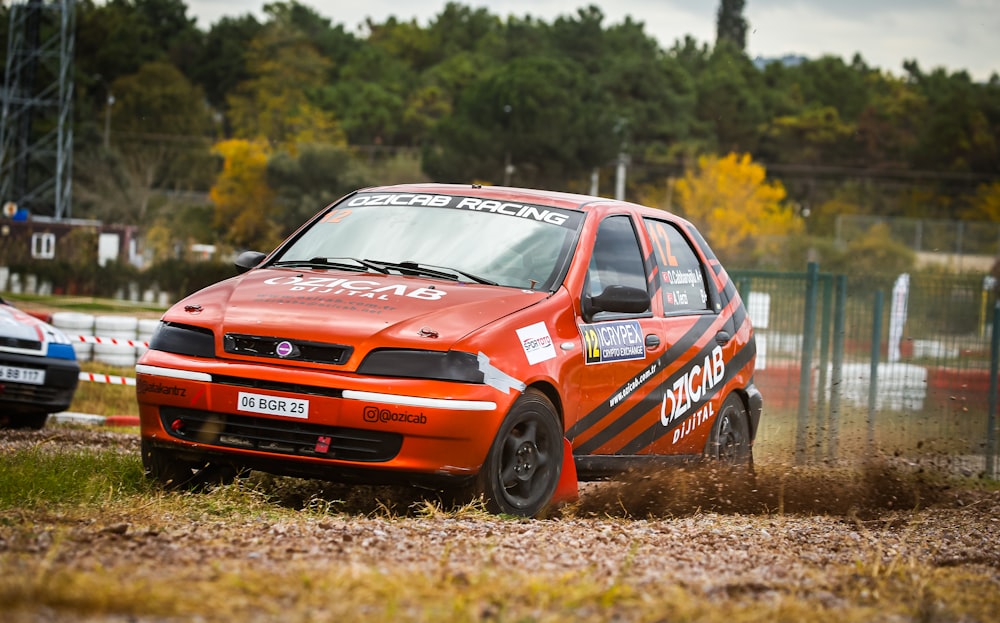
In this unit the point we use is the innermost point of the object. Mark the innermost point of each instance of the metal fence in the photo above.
(850, 365)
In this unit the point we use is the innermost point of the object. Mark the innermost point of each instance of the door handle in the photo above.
(652, 341)
(722, 338)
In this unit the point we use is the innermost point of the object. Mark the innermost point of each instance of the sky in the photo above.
(953, 34)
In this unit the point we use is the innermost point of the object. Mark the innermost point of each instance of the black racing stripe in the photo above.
(652, 434)
(648, 402)
(696, 332)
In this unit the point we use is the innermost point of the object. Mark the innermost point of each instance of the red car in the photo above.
(498, 340)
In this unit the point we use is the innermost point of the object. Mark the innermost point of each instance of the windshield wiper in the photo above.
(332, 262)
(430, 270)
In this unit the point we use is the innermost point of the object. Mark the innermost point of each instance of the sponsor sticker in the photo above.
(612, 341)
(374, 415)
(273, 405)
(536, 342)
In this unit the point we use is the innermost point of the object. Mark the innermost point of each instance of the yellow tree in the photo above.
(986, 203)
(244, 203)
(743, 216)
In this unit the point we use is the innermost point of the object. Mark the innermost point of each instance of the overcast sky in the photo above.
(955, 34)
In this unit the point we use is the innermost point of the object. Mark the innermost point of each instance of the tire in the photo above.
(172, 471)
(33, 421)
(524, 462)
(729, 443)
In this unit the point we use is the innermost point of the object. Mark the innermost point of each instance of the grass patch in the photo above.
(36, 477)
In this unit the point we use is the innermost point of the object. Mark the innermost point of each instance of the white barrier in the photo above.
(111, 379)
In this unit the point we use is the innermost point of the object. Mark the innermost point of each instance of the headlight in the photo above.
(183, 339)
(423, 364)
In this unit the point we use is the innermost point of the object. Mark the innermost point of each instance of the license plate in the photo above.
(273, 405)
(22, 375)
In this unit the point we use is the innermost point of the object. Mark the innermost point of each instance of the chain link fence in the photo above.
(861, 364)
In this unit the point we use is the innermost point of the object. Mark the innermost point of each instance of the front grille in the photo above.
(280, 436)
(290, 350)
(35, 394)
(16, 342)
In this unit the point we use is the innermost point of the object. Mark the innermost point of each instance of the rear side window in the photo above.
(682, 278)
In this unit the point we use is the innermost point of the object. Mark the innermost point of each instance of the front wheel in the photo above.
(730, 440)
(524, 463)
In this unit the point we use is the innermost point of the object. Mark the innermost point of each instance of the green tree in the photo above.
(279, 102)
(957, 133)
(309, 180)
(817, 136)
(223, 62)
(158, 141)
(542, 114)
(889, 127)
(730, 25)
(730, 106)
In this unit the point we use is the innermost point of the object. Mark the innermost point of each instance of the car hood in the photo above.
(362, 310)
(25, 334)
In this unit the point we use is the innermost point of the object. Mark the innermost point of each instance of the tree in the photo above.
(279, 102)
(730, 25)
(542, 114)
(223, 62)
(742, 215)
(985, 204)
(729, 100)
(158, 141)
(816, 136)
(308, 180)
(889, 127)
(244, 203)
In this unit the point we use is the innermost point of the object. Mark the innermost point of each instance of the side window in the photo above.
(682, 280)
(617, 259)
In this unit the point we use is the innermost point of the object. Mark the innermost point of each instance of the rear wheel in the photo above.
(174, 471)
(730, 440)
(523, 465)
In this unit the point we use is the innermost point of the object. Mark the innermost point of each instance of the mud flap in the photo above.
(568, 489)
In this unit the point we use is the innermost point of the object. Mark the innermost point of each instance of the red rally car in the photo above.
(498, 340)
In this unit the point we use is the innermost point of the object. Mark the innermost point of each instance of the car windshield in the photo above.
(460, 238)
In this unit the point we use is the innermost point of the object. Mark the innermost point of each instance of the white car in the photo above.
(38, 369)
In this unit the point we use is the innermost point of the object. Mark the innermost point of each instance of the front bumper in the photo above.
(55, 394)
(317, 423)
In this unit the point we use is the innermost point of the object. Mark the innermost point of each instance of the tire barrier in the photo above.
(111, 351)
(75, 323)
(114, 340)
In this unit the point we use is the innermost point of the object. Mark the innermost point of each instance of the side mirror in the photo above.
(247, 260)
(616, 299)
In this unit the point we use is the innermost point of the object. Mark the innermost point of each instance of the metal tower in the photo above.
(36, 128)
